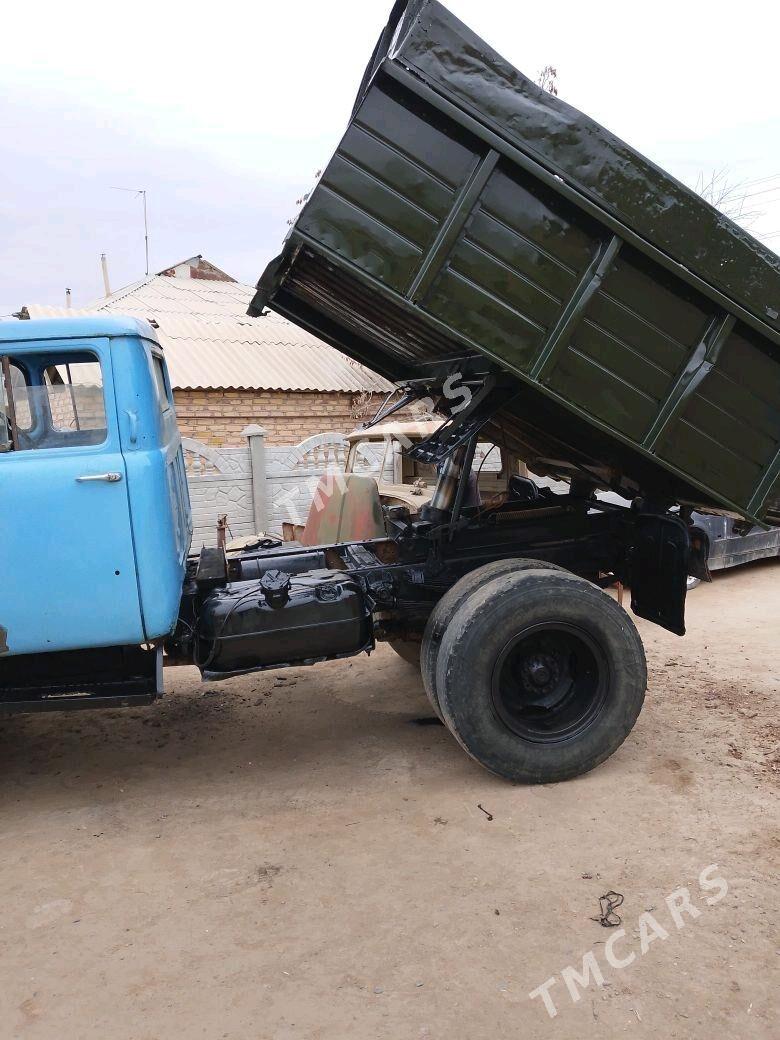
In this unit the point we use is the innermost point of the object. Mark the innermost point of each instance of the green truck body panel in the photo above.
(468, 214)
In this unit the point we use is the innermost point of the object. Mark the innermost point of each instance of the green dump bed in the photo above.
(469, 214)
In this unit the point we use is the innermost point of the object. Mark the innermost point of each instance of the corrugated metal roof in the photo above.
(184, 296)
(275, 355)
(210, 344)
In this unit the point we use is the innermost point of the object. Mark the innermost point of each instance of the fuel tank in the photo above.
(282, 619)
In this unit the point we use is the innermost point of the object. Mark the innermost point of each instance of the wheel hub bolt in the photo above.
(539, 672)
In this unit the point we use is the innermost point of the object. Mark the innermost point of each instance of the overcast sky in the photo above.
(224, 113)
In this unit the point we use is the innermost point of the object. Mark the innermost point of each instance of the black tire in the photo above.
(448, 605)
(540, 676)
(407, 649)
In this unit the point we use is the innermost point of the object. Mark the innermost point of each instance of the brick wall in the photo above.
(217, 417)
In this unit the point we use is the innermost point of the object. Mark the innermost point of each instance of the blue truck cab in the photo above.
(95, 522)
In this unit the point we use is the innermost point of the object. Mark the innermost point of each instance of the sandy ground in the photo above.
(293, 856)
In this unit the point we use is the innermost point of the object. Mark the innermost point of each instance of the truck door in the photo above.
(68, 564)
(156, 480)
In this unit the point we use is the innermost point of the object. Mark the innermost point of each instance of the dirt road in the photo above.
(294, 856)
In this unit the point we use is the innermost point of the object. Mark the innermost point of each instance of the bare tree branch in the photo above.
(548, 80)
(732, 197)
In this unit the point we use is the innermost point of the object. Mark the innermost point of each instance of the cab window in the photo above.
(163, 397)
(52, 401)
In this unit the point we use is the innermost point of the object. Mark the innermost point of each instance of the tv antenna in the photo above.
(142, 193)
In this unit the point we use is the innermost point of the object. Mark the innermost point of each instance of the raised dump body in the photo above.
(471, 222)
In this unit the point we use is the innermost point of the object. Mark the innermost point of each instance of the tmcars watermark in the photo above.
(681, 908)
(318, 490)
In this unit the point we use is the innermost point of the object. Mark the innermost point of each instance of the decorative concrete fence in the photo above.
(258, 487)
(221, 483)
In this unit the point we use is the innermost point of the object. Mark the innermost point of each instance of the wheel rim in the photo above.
(550, 683)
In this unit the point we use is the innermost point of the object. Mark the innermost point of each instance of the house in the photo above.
(229, 371)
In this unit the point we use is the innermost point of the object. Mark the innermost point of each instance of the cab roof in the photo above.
(75, 328)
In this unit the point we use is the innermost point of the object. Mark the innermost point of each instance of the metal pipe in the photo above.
(465, 477)
(146, 233)
(142, 193)
(222, 527)
(73, 398)
(104, 265)
(447, 485)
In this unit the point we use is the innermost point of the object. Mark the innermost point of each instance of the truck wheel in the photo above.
(407, 649)
(540, 676)
(446, 608)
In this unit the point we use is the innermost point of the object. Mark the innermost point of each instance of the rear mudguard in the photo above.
(658, 569)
